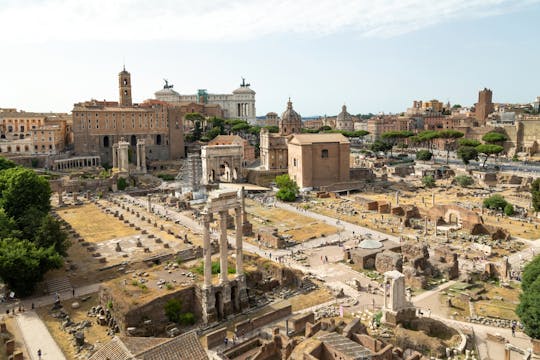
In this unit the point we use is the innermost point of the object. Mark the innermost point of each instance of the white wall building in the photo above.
(238, 105)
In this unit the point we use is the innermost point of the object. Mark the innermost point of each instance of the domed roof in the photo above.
(344, 115)
(290, 116)
(166, 92)
(244, 90)
(370, 244)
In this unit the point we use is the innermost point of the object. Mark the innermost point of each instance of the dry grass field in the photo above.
(300, 228)
(93, 225)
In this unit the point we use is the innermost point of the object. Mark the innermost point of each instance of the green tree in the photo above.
(535, 193)
(531, 272)
(428, 181)
(424, 155)
(528, 309)
(21, 189)
(22, 264)
(288, 189)
(272, 129)
(173, 310)
(396, 136)
(469, 142)
(450, 136)
(121, 183)
(380, 146)
(427, 137)
(509, 210)
(464, 180)
(240, 127)
(197, 131)
(51, 234)
(8, 226)
(6, 163)
(467, 153)
(495, 202)
(456, 106)
(487, 150)
(494, 137)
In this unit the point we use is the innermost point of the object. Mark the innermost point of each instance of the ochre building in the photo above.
(97, 125)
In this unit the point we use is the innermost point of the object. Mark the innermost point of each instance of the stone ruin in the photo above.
(227, 297)
(467, 220)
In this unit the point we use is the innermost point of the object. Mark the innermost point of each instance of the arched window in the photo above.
(324, 153)
(105, 141)
(158, 140)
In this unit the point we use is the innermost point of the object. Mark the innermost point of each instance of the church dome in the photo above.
(344, 120)
(344, 115)
(290, 116)
(244, 90)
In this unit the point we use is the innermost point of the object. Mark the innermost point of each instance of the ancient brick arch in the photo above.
(451, 213)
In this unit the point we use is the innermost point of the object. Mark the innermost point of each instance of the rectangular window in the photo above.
(324, 153)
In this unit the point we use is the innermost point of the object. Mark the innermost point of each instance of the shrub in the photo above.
(288, 189)
(216, 268)
(169, 286)
(464, 180)
(173, 310)
(423, 155)
(187, 318)
(109, 305)
(509, 209)
(495, 202)
(428, 181)
(121, 183)
(166, 177)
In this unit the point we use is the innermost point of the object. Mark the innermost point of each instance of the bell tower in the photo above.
(124, 85)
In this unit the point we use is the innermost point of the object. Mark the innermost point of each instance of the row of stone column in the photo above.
(223, 243)
(67, 164)
(244, 109)
(120, 155)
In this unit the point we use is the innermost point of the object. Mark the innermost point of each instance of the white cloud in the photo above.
(210, 20)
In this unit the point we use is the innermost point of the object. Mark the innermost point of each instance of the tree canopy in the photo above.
(450, 136)
(489, 149)
(535, 192)
(424, 155)
(31, 241)
(495, 202)
(467, 153)
(22, 189)
(288, 189)
(469, 142)
(380, 146)
(528, 309)
(494, 137)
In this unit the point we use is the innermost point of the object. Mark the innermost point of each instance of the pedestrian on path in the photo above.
(39, 354)
(73, 291)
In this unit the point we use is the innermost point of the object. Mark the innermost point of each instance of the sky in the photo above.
(372, 55)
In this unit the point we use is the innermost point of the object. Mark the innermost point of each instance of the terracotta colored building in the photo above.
(274, 146)
(248, 149)
(318, 159)
(97, 125)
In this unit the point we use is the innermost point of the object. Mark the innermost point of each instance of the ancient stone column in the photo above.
(138, 156)
(60, 199)
(115, 155)
(385, 293)
(207, 252)
(433, 199)
(143, 155)
(239, 259)
(223, 261)
(243, 196)
(397, 198)
(149, 203)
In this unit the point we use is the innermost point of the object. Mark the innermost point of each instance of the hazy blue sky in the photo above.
(376, 55)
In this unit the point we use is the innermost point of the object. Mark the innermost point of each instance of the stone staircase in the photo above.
(59, 285)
